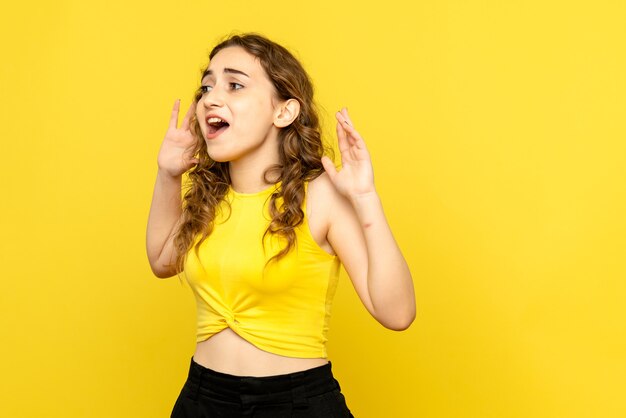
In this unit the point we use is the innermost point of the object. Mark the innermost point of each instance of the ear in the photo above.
(286, 113)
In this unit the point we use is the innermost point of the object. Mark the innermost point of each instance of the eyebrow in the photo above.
(226, 70)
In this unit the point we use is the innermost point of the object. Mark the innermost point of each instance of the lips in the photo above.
(215, 126)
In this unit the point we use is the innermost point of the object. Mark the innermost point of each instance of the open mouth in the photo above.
(216, 126)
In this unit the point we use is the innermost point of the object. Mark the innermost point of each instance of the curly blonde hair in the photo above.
(300, 151)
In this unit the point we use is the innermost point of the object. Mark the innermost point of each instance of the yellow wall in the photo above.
(497, 131)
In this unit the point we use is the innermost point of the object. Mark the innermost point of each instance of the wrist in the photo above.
(168, 177)
(365, 198)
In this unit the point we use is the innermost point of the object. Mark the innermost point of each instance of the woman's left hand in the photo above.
(356, 177)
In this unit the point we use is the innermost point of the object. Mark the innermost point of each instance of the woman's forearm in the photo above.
(389, 280)
(165, 211)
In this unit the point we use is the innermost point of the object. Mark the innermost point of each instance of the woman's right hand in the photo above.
(176, 153)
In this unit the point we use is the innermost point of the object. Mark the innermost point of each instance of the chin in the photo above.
(215, 155)
(220, 157)
(220, 160)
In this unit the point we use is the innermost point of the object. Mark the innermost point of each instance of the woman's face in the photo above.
(237, 108)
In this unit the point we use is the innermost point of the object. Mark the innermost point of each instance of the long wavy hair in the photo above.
(300, 150)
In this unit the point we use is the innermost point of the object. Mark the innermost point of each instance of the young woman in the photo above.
(263, 225)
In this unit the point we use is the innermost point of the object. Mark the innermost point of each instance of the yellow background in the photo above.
(497, 130)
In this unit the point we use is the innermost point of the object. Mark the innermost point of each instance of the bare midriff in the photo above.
(227, 352)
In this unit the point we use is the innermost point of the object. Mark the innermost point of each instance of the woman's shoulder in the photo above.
(320, 200)
(322, 196)
(321, 189)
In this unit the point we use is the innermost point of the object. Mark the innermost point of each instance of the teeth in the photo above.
(214, 120)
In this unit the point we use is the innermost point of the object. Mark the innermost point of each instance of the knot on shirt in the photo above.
(231, 319)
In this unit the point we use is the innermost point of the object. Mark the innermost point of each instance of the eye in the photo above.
(235, 86)
(205, 89)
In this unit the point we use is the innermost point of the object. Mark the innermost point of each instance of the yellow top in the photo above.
(283, 308)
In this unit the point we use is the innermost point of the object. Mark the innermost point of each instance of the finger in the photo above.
(344, 126)
(190, 112)
(354, 135)
(329, 167)
(174, 115)
(342, 139)
(192, 161)
(344, 113)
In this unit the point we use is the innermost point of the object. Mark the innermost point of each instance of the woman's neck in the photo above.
(249, 177)
(247, 173)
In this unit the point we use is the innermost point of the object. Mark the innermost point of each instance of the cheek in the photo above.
(255, 110)
(199, 117)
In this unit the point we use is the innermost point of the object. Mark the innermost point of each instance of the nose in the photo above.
(213, 98)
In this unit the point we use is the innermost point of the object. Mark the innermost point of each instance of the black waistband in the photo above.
(281, 388)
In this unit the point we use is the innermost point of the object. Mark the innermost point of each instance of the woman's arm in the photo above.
(173, 160)
(165, 212)
(360, 234)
